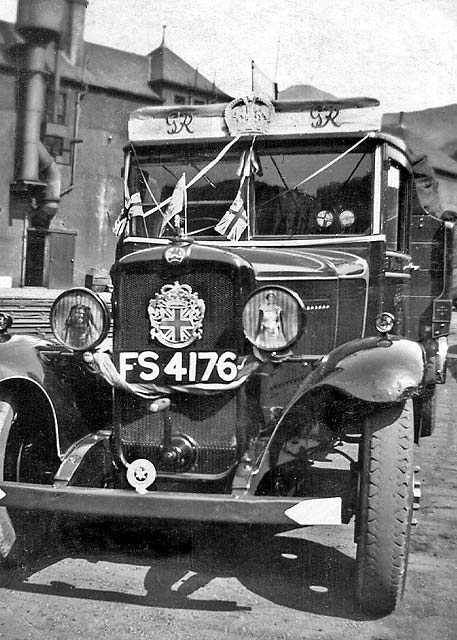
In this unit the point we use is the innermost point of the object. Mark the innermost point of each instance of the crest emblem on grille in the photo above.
(176, 315)
(175, 254)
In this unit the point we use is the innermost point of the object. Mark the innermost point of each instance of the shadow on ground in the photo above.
(285, 570)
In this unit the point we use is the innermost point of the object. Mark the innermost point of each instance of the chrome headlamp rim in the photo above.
(105, 316)
(6, 321)
(385, 322)
(301, 316)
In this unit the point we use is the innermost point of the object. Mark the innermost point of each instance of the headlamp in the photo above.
(385, 322)
(273, 318)
(5, 322)
(79, 319)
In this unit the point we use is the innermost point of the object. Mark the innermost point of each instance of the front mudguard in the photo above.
(375, 370)
(66, 398)
(347, 385)
(19, 358)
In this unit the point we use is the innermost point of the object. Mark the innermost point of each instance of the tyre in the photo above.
(23, 457)
(7, 531)
(385, 506)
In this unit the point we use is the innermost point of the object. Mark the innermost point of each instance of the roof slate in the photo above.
(117, 70)
(168, 67)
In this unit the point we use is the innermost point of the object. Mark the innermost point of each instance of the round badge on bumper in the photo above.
(141, 474)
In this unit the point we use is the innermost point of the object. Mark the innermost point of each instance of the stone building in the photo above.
(64, 104)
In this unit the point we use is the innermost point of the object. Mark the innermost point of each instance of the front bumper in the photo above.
(184, 507)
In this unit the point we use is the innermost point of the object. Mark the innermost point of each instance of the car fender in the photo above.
(376, 369)
(23, 374)
(19, 357)
(30, 368)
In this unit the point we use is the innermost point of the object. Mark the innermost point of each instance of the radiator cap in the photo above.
(141, 473)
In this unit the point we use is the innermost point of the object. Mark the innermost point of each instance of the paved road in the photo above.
(226, 584)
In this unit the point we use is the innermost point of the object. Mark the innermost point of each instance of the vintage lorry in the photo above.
(280, 306)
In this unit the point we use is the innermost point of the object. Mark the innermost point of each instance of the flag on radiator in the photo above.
(235, 220)
(177, 201)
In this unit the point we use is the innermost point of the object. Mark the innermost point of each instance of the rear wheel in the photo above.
(383, 521)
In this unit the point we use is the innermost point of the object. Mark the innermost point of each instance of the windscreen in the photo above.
(251, 190)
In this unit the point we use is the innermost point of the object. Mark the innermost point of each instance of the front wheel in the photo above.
(383, 521)
(24, 454)
(7, 532)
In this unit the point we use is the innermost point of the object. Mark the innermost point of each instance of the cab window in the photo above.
(396, 220)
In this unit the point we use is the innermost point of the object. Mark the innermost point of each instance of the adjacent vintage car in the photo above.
(281, 301)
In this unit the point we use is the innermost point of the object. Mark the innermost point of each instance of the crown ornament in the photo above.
(251, 115)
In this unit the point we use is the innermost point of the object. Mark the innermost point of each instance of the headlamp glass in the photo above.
(79, 319)
(273, 318)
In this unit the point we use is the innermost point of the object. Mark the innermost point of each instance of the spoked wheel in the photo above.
(385, 508)
(21, 459)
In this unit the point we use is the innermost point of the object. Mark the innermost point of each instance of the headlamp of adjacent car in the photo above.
(385, 322)
(273, 318)
(79, 319)
(5, 322)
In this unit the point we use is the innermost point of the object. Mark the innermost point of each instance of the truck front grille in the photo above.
(215, 288)
(210, 421)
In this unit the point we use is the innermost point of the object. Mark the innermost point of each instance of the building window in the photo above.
(199, 102)
(61, 108)
(54, 144)
(59, 148)
(180, 100)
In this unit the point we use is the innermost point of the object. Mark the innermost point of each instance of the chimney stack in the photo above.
(73, 38)
(40, 22)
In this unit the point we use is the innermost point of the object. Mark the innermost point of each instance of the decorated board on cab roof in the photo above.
(254, 115)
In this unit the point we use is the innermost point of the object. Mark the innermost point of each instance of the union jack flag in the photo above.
(235, 220)
(177, 201)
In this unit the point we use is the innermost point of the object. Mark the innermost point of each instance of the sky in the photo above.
(403, 52)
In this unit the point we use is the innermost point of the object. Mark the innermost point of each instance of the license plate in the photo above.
(180, 367)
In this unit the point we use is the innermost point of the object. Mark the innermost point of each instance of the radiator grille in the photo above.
(215, 288)
(210, 421)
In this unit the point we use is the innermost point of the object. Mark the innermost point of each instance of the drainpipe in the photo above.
(50, 173)
(31, 116)
(74, 40)
(41, 25)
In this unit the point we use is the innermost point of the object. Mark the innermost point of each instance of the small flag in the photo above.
(249, 164)
(262, 84)
(177, 201)
(120, 224)
(234, 221)
(135, 205)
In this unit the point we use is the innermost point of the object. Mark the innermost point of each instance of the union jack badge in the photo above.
(176, 315)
